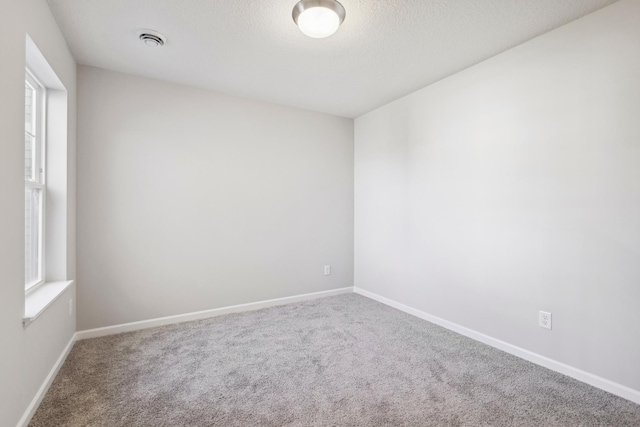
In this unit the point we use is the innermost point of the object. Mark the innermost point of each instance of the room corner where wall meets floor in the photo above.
(384, 367)
(207, 316)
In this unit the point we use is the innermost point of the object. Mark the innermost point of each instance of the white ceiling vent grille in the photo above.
(152, 38)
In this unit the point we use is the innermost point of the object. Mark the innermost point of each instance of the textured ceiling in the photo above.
(384, 49)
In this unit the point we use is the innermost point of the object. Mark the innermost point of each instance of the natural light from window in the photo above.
(34, 176)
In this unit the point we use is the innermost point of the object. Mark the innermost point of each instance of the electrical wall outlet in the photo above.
(70, 307)
(327, 270)
(544, 320)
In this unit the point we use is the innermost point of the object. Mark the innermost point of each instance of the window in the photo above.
(35, 180)
(48, 191)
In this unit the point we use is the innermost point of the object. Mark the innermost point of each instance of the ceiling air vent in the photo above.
(152, 38)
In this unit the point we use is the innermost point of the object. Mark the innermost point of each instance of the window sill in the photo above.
(37, 301)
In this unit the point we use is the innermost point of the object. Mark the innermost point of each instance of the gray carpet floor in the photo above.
(337, 361)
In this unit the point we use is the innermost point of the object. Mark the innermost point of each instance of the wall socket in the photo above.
(544, 320)
(327, 270)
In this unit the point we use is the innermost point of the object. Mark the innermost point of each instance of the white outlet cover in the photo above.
(544, 320)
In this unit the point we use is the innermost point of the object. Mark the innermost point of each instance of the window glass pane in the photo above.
(33, 211)
(28, 108)
(29, 152)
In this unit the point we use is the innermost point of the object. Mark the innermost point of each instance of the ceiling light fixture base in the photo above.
(318, 18)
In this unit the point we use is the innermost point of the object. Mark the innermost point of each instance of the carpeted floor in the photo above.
(337, 361)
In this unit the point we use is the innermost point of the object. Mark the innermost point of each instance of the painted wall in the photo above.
(190, 200)
(27, 355)
(514, 187)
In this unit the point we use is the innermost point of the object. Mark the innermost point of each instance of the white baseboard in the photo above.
(92, 333)
(33, 406)
(578, 374)
(161, 321)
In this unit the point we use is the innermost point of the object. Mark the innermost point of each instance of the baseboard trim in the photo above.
(578, 374)
(33, 406)
(179, 318)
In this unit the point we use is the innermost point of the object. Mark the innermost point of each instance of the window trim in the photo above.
(39, 163)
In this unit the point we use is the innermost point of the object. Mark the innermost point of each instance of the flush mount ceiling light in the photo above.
(318, 18)
(152, 38)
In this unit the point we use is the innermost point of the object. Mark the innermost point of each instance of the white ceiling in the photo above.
(384, 49)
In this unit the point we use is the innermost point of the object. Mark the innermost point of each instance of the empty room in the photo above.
(319, 213)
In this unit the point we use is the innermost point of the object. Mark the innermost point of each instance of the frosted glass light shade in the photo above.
(318, 22)
(318, 18)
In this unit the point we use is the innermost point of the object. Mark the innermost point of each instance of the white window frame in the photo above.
(38, 132)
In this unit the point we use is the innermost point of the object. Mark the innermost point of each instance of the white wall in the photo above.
(191, 200)
(514, 187)
(27, 355)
